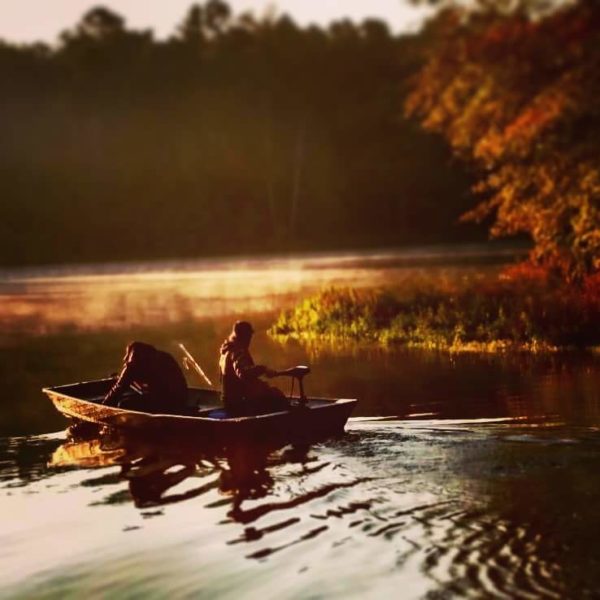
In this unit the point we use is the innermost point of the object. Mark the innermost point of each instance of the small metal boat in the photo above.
(307, 418)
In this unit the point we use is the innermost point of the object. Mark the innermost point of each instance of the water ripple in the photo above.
(392, 506)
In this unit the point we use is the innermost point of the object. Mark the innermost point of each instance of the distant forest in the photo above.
(234, 135)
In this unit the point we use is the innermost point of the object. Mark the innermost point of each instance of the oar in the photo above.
(190, 360)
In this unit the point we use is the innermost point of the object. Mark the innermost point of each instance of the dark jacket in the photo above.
(239, 374)
(243, 392)
(156, 375)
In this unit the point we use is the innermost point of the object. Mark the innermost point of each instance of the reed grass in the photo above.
(522, 308)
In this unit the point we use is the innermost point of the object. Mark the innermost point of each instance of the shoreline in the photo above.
(512, 313)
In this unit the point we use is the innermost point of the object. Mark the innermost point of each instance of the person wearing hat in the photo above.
(243, 392)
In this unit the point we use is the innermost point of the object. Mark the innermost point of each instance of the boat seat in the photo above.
(216, 413)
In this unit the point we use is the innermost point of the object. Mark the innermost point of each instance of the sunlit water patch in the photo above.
(434, 509)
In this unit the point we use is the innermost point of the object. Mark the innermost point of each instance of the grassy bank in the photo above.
(520, 309)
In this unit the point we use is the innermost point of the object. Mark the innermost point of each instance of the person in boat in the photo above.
(243, 390)
(155, 376)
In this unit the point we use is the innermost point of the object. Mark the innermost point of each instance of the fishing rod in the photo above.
(189, 360)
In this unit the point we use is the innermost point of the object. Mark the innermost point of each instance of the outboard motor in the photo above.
(297, 373)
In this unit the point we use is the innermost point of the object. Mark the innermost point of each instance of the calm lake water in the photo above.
(459, 475)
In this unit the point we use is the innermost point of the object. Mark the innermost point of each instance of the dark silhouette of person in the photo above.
(155, 376)
(243, 392)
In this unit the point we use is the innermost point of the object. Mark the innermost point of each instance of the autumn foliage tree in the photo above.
(516, 93)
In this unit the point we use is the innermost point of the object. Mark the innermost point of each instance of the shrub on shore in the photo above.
(522, 309)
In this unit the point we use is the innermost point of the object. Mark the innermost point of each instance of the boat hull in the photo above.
(318, 418)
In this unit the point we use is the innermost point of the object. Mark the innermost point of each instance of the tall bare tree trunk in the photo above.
(269, 183)
(297, 176)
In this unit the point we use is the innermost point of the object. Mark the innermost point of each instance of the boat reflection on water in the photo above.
(152, 470)
(441, 508)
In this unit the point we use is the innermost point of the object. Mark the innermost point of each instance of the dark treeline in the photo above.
(234, 135)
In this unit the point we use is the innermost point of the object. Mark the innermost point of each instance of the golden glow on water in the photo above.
(87, 299)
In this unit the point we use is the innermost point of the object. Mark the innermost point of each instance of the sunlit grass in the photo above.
(521, 309)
